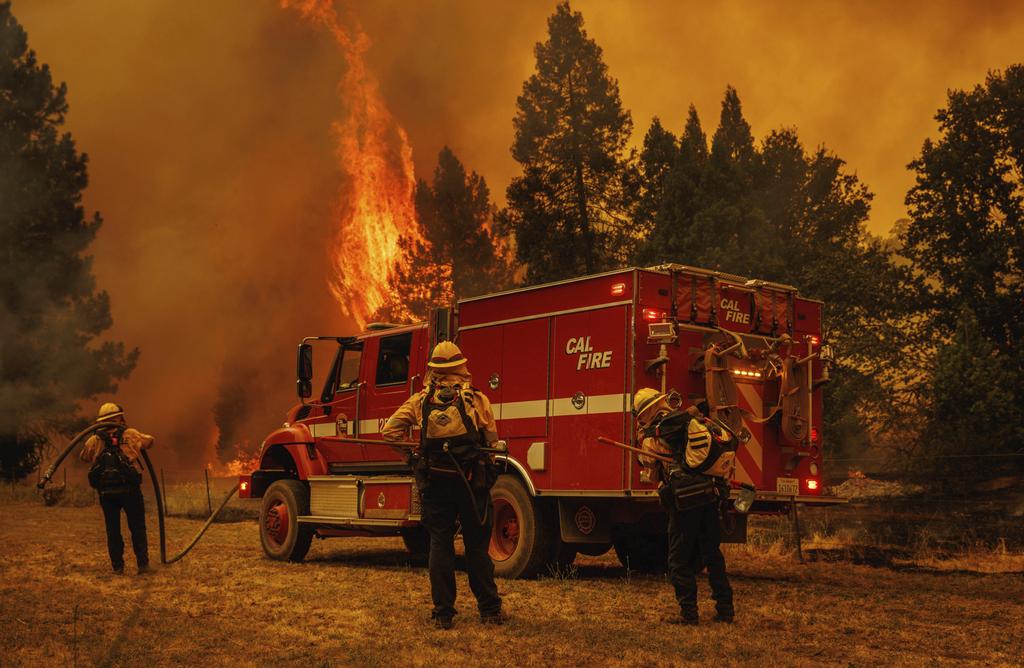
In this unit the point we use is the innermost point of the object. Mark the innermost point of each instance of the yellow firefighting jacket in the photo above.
(133, 442)
(410, 414)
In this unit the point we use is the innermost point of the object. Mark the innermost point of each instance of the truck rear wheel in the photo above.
(281, 535)
(416, 540)
(522, 538)
(642, 551)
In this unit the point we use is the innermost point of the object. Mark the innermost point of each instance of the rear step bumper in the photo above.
(325, 520)
(805, 499)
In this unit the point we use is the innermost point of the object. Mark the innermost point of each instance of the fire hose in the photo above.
(96, 426)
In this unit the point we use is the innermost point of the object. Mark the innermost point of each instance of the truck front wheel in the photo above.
(522, 534)
(281, 535)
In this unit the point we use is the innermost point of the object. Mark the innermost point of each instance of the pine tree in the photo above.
(570, 210)
(670, 236)
(657, 158)
(459, 254)
(729, 231)
(51, 313)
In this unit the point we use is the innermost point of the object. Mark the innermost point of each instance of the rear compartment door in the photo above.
(589, 366)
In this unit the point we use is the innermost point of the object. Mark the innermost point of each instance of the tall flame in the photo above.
(375, 206)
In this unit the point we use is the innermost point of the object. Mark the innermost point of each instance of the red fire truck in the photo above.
(560, 363)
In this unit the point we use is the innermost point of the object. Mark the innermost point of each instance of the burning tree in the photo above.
(460, 255)
(50, 311)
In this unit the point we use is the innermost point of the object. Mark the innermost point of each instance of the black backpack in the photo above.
(112, 472)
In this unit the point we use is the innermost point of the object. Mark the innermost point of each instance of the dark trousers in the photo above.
(694, 539)
(135, 511)
(446, 500)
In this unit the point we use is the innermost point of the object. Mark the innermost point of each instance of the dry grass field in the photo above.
(366, 602)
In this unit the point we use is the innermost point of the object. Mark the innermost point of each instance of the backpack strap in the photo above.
(470, 424)
(427, 392)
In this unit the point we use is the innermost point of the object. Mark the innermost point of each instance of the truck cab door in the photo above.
(335, 416)
(394, 376)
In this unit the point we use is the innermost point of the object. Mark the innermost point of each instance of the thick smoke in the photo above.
(212, 160)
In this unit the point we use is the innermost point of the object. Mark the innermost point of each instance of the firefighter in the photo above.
(693, 490)
(454, 478)
(116, 474)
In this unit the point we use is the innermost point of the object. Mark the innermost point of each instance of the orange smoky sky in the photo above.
(208, 127)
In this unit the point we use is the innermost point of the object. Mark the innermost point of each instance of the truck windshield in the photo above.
(348, 370)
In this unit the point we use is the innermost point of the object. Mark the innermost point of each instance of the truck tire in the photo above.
(642, 551)
(523, 536)
(281, 535)
(417, 540)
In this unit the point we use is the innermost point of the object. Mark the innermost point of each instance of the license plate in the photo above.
(787, 486)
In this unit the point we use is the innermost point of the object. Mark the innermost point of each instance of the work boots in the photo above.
(684, 618)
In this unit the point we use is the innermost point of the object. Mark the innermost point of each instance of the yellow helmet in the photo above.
(446, 355)
(645, 399)
(109, 411)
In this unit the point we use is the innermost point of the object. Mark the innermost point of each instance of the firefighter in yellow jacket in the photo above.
(116, 474)
(692, 490)
(454, 477)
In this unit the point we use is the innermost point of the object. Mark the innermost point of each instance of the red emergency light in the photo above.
(812, 485)
(244, 483)
(618, 289)
(814, 340)
(653, 314)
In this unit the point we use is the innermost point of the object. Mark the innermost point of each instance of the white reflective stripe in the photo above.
(321, 429)
(562, 407)
(608, 403)
(537, 408)
(516, 410)
(597, 404)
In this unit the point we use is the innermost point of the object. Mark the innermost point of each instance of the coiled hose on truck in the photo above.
(96, 426)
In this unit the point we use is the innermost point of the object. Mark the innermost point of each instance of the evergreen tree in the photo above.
(972, 408)
(673, 224)
(657, 158)
(967, 210)
(51, 313)
(730, 231)
(570, 210)
(459, 255)
(966, 237)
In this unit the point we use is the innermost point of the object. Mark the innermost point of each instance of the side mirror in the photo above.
(304, 371)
